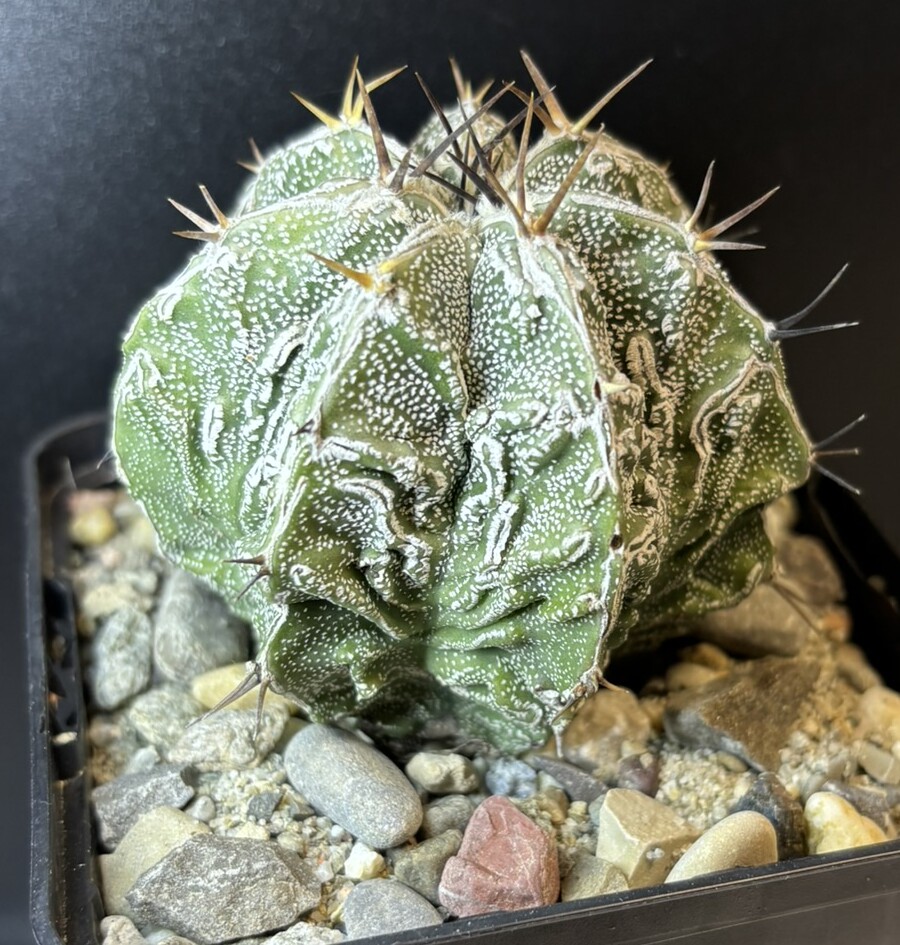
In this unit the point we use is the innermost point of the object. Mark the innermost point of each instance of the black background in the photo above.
(106, 108)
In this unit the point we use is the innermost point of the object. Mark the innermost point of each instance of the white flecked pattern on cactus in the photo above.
(469, 447)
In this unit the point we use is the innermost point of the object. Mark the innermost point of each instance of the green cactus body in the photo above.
(472, 452)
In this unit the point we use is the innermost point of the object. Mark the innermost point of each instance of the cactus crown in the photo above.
(474, 412)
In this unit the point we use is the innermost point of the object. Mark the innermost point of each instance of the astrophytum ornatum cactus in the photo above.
(468, 416)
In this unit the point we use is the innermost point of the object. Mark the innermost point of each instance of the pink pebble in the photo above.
(505, 862)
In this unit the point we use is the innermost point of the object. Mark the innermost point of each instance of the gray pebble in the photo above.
(384, 906)
(142, 760)
(354, 784)
(230, 739)
(214, 889)
(511, 777)
(578, 784)
(446, 813)
(768, 796)
(263, 805)
(420, 866)
(202, 808)
(122, 657)
(195, 631)
(161, 715)
(118, 804)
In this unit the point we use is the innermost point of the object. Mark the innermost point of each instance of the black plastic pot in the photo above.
(838, 898)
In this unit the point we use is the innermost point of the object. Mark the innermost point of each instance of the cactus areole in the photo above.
(449, 424)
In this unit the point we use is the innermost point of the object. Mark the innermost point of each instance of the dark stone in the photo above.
(768, 796)
(640, 773)
(262, 806)
(578, 784)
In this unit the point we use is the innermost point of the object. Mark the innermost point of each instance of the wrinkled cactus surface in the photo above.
(467, 416)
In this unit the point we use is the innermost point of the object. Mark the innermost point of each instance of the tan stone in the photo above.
(834, 824)
(211, 687)
(745, 838)
(640, 836)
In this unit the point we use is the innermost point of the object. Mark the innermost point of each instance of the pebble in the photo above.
(879, 710)
(92, 526)
(708, 655)
(420, 866)
(384, 907)
(879, 764)
(354, 784)
(123, 649)
(511, 777)
(120, 930)
(103, 598)
(804, 562)
(261, 806)
(202, 808)
(834, 824)
(161, 715)
(745, 838)
(689, 675)
(142, 760)
(146, 843)
(590, 877)
(640, 836)
(505, 862)
(211, 687)
(446, 813)
(578, 784)
(363, 862)
(213, 889)
(229, 739)
(768, 796)
(194, 630)
(737, 713)
(305, 933)
(608, 722)
(872, 802)
(440, 773)
(118, 804)
(640, 773)
(762, 623)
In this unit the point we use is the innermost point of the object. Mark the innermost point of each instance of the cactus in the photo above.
(474, 414)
